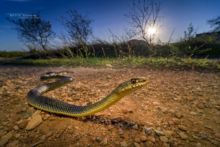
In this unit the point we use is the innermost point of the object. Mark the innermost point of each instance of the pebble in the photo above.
(147, 131)
(178, 115)
(4, 139)
(17, 135)
(137, 139)
(22, 124)
(143, 138)
(182, 127)
(16, 127)
(151, 139)
(98, 139)
(183, 135)
(159, 133)
(193, 113)
(164, 138)
(123, 144)
(217, 135)
(46, 116)
(135, 127)
(203, 135)
(35, 121)
(105, 141)
(108, 65)
(137, 144)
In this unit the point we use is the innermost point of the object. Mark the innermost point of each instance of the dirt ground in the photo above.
(176, 108)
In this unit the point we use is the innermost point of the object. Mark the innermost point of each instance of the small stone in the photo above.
(159, 133)
(22, 124)
(16, 127)
(182, 127)
(203, 135)
(43, 137)
(193, 113)
(143, 138)
(217, 135)
(105, 141)
(198, 144)
(120, 132)
(178, 115)
(200, 106)
(108, 65)
(123, 144)
(151, 139)
(164, 138)
(168, 133)
(17, 135)
(183, 135)
(49, 134)
(147, 131)
(46, 116)
(137, 139)
(135, 127)
(4, 139)
(98, 139)
(137, 144)
(35, 121)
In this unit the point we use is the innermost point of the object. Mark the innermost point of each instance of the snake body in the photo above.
(37, 100)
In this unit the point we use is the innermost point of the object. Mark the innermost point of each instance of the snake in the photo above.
(36, 98)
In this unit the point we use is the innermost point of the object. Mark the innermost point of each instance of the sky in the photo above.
(107, 15)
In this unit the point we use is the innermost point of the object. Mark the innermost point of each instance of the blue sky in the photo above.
(107, 15)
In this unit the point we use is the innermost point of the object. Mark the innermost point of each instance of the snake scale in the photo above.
(36, 99)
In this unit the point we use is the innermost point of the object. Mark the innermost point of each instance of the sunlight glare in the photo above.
(152, 30)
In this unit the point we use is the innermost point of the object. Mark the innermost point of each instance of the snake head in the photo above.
(130, 85)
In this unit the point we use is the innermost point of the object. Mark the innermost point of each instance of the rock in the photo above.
(178, 115)
(198, 144)
(151, 139)
(135, 127)
(46, 116)
(43, 137)
(17, 135)
(164, 138)
(182, 127)
(193, 113)
(217, 135)
(143, 138)
(108, 65)
(137, 139)
(35, 121)
(105, 141)
(159, 133)
(120, 132)
(137, 144)
(16, 127)
(98, 139)
(203, 135)
(123, 144)
(147, 131)
(4, 139)
(168, 133)
(183, 135)
(22, 124)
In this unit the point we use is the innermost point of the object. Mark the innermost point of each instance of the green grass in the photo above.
(12, 54)
(173, 63)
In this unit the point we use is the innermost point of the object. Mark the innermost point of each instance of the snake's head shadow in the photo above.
(131, 85)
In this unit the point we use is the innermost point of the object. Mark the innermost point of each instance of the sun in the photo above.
(152, 31)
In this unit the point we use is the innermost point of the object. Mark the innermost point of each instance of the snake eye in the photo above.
(133, 81)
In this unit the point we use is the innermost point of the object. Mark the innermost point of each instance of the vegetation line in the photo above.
(173, 63)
